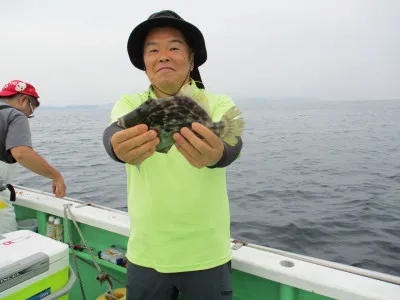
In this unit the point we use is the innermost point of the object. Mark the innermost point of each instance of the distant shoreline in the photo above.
(237, 101)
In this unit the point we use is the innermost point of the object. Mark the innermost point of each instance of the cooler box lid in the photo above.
(25, 254)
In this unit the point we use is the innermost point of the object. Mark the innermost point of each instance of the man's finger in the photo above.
(129, 133)
(187, 145)
(143, 156)
(137, 152)
(134, 142)
(211, 138)
(196, 142)
(188, 157)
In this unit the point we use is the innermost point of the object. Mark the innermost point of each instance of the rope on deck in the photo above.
(71, 244)
(103, 276)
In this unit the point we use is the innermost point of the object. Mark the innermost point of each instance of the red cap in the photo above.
(19, 86)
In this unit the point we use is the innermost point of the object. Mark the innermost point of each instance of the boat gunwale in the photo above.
(243, 259)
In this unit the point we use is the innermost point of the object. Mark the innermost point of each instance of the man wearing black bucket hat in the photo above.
(178, 204)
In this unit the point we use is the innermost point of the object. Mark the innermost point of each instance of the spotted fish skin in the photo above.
(169, 115)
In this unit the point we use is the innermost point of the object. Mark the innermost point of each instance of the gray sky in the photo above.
(74, 52)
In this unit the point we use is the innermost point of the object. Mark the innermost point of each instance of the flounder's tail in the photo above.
(233, 125)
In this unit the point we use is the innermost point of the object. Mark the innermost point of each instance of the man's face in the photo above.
(27, 104)
(167, 58)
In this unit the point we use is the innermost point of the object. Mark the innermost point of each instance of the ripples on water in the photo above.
(315, 178)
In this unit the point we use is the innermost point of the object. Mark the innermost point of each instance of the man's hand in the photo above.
(199, 152)
(31, 160)
(133, 145)
(58, 186)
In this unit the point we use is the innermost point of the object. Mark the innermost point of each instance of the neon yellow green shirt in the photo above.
(179, 215)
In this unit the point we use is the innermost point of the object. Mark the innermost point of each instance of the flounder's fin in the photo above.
(187, 90)
(199, 96)
(233, 125)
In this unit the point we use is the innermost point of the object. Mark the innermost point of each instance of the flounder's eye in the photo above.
(143, 111)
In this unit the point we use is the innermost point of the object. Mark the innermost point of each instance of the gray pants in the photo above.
(148, 284)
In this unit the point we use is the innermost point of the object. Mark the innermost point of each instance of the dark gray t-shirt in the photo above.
(14, 131)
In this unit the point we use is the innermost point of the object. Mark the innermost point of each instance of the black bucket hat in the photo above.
(170, 19)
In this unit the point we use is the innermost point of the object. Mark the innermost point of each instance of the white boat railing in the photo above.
(308, 273)
(334, 265)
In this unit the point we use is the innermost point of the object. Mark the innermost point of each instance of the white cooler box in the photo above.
(33, 267)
